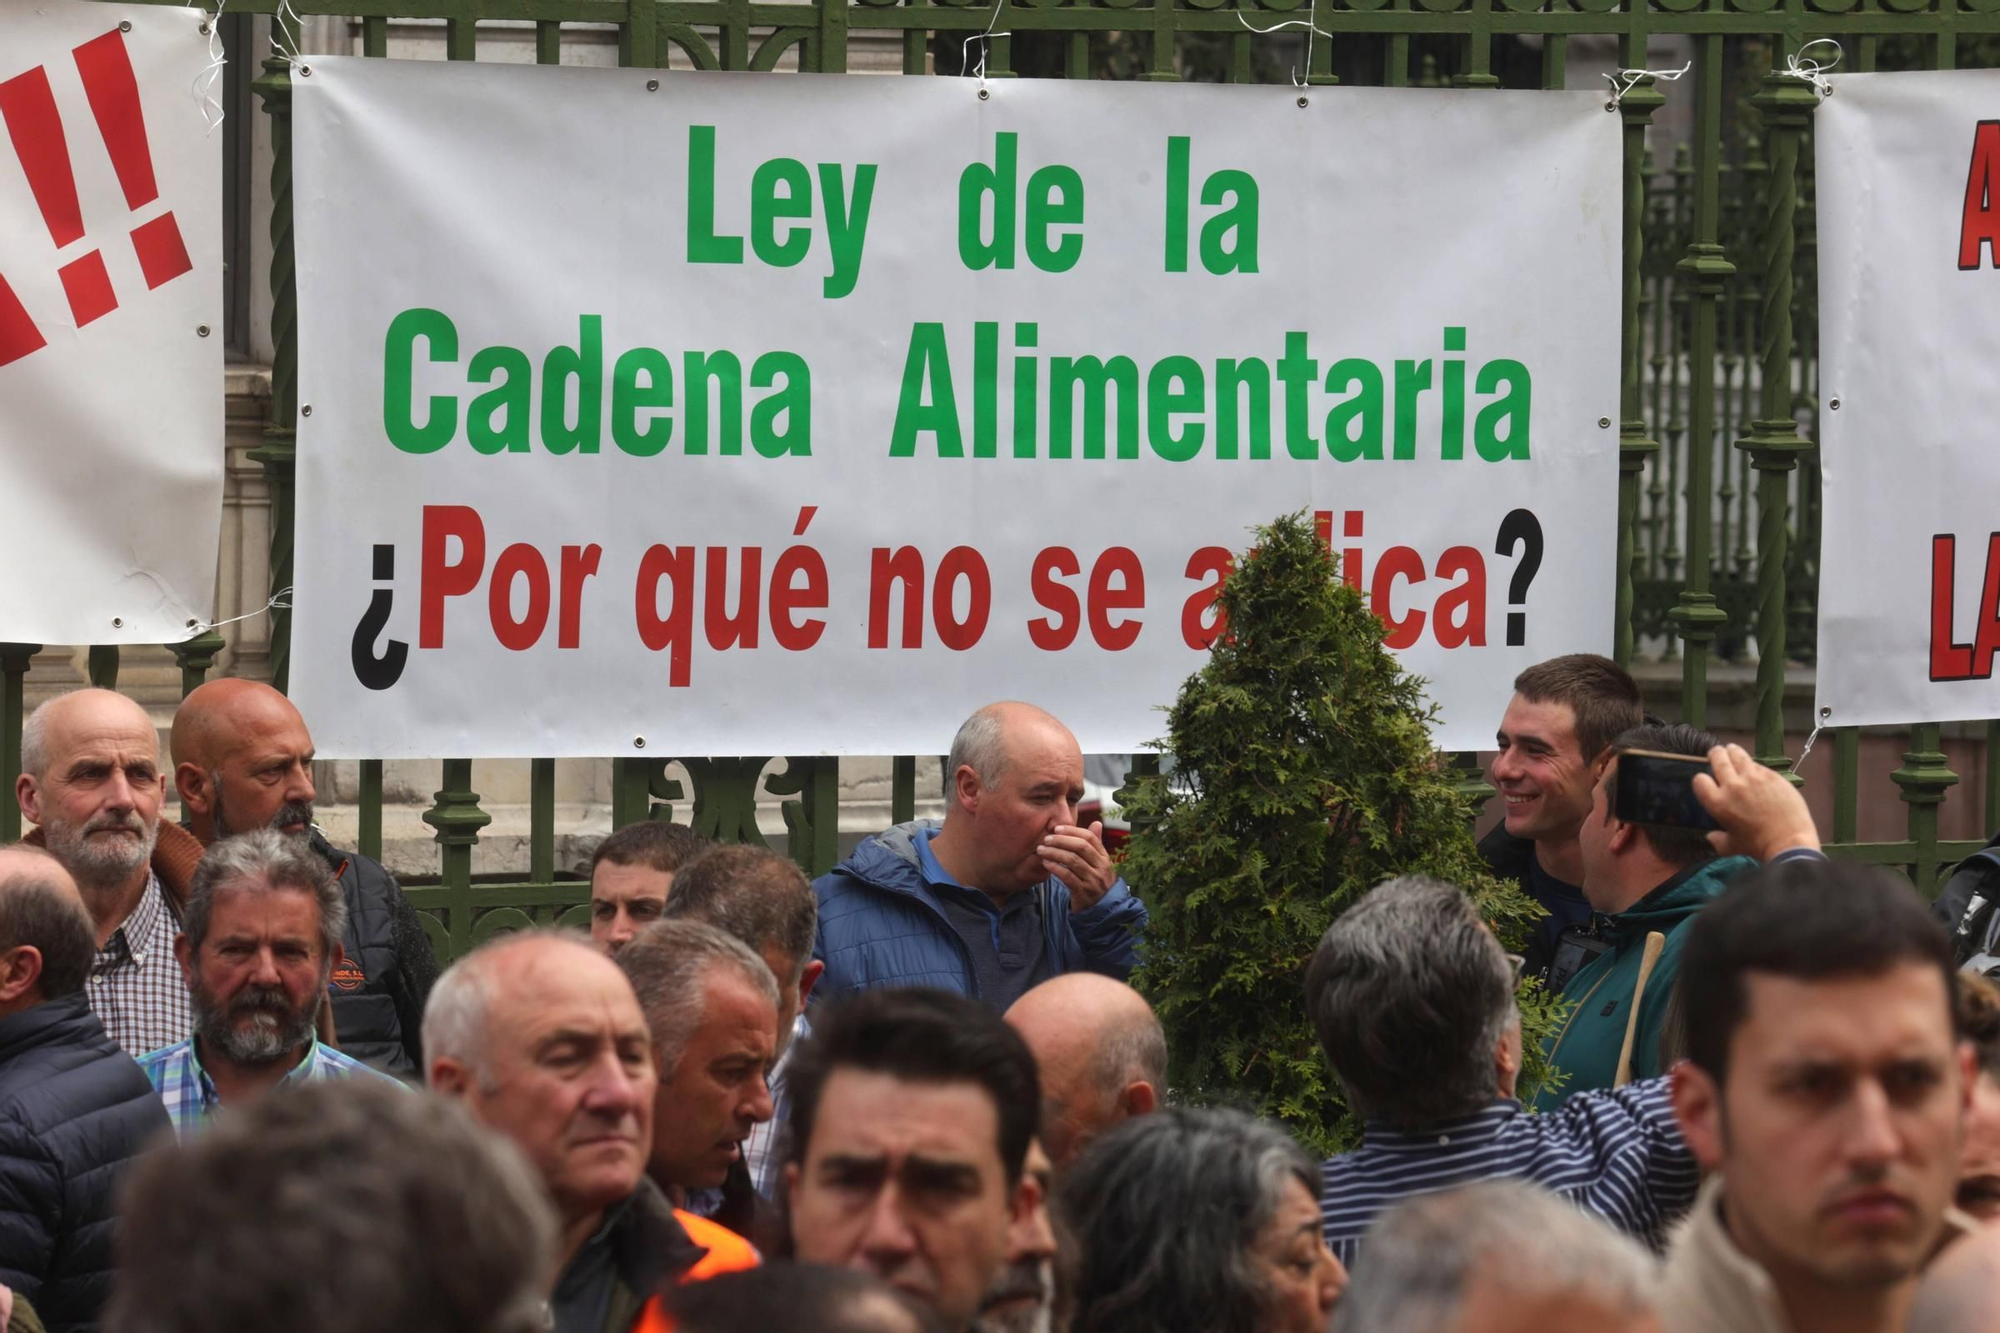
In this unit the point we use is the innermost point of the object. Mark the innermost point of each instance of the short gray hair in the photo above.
(455, 1013)
(1167, 1209)
(668, 965)
(240, 1228)
(754, 894)
(270, 861)
(1130, 1046)
(979, 745)
(1410, 993)
(1423, 1254)
(35, 739)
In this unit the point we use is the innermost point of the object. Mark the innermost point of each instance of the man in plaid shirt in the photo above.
(261, 934)
(91, 778)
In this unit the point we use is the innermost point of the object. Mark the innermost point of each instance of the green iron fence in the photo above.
(1718, 494)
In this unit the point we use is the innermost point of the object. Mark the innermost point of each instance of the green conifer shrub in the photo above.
(1303, 777)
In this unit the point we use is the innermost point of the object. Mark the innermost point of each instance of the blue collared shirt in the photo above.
(189, 1093)
(1007, 942)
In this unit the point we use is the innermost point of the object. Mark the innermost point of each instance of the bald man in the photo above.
(1006, 893)
(1101, 1054)
(242, 761)
(74, 1110)
(91, 781)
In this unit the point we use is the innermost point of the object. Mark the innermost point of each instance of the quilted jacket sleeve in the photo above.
(30, 1203)
(1109, 933)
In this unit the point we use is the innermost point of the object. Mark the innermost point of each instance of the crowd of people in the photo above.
(919, 1094)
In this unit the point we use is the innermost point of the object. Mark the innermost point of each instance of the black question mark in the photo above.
(1520, 528)
(379, 673)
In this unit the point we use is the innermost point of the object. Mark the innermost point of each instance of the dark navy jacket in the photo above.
(74, 1112)
(879, 925)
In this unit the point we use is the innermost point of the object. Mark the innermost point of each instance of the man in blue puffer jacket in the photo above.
(74, 1108)
(1008, 892)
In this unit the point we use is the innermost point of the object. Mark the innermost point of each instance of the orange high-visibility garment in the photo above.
(727, 1253)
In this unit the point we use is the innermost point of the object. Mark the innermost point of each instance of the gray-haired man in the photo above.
(1009, 892)
(712, 1008)
(260, 936)
(1413, 1000)
(1502, 1257)
(539, 1034)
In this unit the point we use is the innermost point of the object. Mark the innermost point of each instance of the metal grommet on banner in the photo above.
(201, 330)
(652, 85)
(1297, 82)
(1824, 714)
(638, 742)
(125, 25)
(1604, 423)
(118, 622)
(1833, 405)
(1626, 79)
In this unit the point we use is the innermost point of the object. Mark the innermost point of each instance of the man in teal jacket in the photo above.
(1641, 881)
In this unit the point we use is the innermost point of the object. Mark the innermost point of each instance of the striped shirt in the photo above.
(136, 989)
(1615, 1152)
(764, 1152)
(189, 1093)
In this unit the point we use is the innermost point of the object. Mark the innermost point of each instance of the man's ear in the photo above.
(814, 970)
(965, 786)
(184, 955)
(1139, 1098)
(28, 795)
(191, 781)
(1021, 1202)
(449, 1078)
(1698, 1107)
(20, 972)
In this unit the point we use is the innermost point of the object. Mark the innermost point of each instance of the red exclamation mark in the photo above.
(29, 108)
(113, 90)
(18, 334)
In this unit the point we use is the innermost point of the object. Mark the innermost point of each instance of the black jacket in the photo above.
(74, 1111)
(378, 993)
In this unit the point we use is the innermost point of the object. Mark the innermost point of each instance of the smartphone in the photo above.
(1655, 787)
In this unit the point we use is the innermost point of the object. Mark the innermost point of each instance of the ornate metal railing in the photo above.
(1718, 497)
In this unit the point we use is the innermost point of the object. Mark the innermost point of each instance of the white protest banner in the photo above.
(1909, 238)
(110, 322)
(732, 414)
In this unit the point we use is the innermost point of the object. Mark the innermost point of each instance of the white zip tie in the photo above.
(291, 52)
(281, 600)
(203, 87)
(1631, 79)
(988, 35)
(1307, 24)
(1797, 66)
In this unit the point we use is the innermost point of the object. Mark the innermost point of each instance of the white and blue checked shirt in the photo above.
(1615, 1152)
(136, 989)
(764, 1151)
(190, 1095)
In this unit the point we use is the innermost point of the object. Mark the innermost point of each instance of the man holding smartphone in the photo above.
(1650, 853)
(1644, 881)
